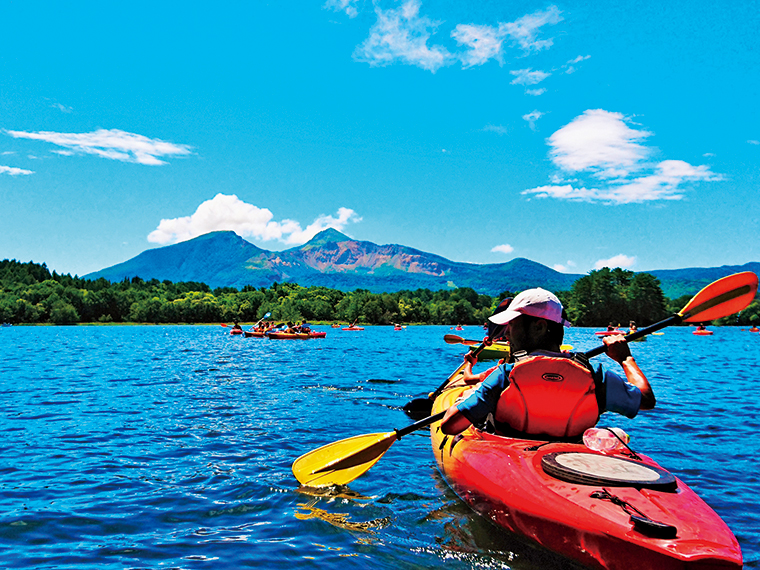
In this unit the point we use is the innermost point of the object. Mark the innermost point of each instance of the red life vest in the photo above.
(549, 394)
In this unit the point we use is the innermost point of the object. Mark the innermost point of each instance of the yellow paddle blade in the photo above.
(721, 298)
(566, 347)
(341, 462)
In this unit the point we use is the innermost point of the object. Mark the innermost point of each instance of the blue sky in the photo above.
(573, 134)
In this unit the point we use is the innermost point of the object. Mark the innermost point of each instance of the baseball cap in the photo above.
(534, 302)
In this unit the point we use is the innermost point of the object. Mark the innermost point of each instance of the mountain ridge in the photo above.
(332, 259)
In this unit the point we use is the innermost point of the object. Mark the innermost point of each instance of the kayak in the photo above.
(236, 331)
(702, 332)
(335, 326)
(304, 336)
(610, 511)
(397, 329)
(255, 334)
(353, 328)
(606, 333)
(495, 351)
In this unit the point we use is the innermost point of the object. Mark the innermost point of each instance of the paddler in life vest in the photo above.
(543, 392)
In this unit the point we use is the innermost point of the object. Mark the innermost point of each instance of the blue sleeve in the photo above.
(482, 401)
(622, 397)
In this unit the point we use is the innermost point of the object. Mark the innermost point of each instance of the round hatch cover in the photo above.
(596, 469)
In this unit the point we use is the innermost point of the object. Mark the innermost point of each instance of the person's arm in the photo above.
(475, 408)
(454, 421)
(618, 350)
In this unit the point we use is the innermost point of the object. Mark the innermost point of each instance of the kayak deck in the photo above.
(506, 481)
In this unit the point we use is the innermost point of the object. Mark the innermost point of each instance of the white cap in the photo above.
(534, 302)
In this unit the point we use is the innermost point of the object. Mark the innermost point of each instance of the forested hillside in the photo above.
(30, 293)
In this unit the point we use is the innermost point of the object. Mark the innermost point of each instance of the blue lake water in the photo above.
(171, 447)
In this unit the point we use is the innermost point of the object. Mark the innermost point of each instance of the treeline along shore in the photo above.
(31, 294)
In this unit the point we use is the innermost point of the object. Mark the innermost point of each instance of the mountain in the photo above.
(332, 259)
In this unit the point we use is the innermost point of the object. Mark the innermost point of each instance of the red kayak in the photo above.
(607, 333)
(353, 328)
(611, 511)
(236, 331)
(255, 334)
(703, 332)
(301, 336)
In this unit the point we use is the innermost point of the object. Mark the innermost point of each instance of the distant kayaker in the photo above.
(632, 327)
(236, 326)
(542, 391)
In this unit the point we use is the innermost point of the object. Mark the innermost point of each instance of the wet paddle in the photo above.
(341, 462)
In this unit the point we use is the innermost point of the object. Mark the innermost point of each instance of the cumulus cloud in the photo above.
(347, 6)
(113, 144)
(598, 141)
(604, 145)
(535, 92)
(620, 260)
(532, 118)
(228, 212)
(503, 248)
(13, 171)
(402, 35)
(753, 141)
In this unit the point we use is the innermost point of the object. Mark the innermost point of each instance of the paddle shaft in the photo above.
(420, 424)
(440, 388)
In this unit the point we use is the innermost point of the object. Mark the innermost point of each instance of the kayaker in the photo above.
(534, 323)
(632, 327)
(236, 326)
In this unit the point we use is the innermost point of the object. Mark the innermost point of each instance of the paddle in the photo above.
(341, 462)
(454, 339)
(259, 321)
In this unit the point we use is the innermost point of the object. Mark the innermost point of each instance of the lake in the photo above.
(171, 446)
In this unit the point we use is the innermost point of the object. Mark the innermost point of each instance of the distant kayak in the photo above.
(296, 336)
(353, 328)
(703, 332)
(236, 331)
(255, 334)
(495, 351)
(607, 333)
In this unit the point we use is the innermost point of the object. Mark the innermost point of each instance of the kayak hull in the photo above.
(353, 328)
(505, 480)
(608, 333)
(254, 334)
(296, 336)
(702, 333)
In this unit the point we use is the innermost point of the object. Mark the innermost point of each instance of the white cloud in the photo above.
(504, 248)
(535, 92)
(528, 76)
(484, 42)
(664, 184)
(559, 267)
(752, 141)
(113, 144)
(498, 129)
(524, 30)
(620, 260)
(228, 212)
(598, 141)
(13, 171)
(347, 6)
(532, 118)
(402, 35)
